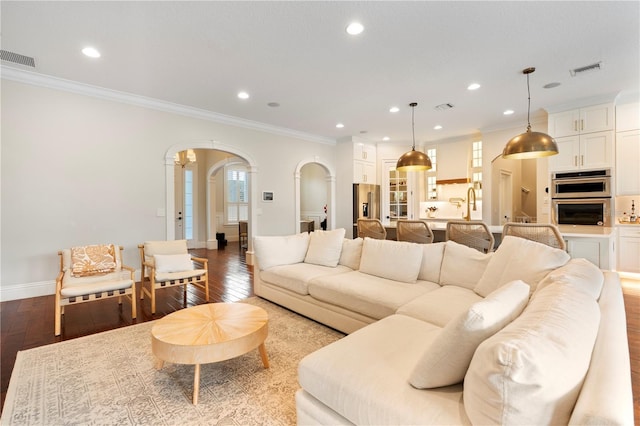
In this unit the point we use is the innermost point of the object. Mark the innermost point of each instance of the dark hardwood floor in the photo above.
(28, 323)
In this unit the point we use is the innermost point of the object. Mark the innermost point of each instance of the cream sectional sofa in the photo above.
(443, 334)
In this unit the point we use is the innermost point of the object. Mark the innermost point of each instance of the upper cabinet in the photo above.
(628, 149)
(357, 157)
(584, 120)
(585, 138)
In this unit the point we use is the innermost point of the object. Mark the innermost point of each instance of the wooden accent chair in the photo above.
(415, 231)
(166, 264)
(243, 234)
(544, 233)
(473, 234)
(90, 273)
(371, 228)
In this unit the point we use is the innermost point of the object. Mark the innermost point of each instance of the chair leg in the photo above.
(58, 318)
(133, 301)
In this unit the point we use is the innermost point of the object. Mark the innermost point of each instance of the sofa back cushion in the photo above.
(325, 247)
(517, 258)
(446, 360)
(394, 260)
(462, 266)
(431, 262)
(280, 250)
(531, 372)
(351, 253)
(577, 273)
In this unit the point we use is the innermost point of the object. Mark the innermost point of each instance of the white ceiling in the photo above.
(200, 54)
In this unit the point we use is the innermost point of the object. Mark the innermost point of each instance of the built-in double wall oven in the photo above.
(582, 198)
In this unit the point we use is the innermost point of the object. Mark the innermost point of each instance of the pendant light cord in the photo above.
(413, 124)
(527, 72)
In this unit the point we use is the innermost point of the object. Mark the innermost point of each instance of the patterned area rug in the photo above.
(110, 378)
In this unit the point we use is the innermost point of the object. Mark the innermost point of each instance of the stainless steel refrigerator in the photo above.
(366, 203)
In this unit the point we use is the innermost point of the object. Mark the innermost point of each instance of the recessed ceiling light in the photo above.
(273, 104)
(355, 28)
(386, 138)
(437, 127)
(551, 85)
(473, 86)
(508, 112)
(91, 52)
(339, 125)
(394, 109)
(243, 95)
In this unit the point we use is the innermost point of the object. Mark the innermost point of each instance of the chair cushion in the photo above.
(280, 250)
(394, 260)
(93, 260)
(351, 253)
(171, 276)
(172, 262)
(446, 360)
(517, 258)
(325, 247)
(163, 247)
(78, 290)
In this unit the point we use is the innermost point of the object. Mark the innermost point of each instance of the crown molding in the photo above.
(47, 81)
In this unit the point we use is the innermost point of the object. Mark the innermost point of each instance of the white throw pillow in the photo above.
(518, 258)
(531, 372)
(448, 357)
(580, 273)
(280, 250)
(351, 253)
(463, 266)
(325, 247)
(393, 260)
(431, 262)
(172, 262)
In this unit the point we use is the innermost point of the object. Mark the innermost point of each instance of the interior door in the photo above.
(179, 204)
(506, 197)
(185, 200)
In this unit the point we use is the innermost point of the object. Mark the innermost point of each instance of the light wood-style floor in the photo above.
(28, 323)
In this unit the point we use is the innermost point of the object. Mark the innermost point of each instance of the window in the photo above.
(476, 168)
(237, 194)
(431, 153)
(432, 191)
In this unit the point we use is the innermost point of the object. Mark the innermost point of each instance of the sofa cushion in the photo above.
(394, 260)
(441, 305)
(363, 377)
(518, 258)
(366, 294)
(531, 371)
(280, 250)
(296, 277)
(579, 273)
(431, 262)
(351, 252)
(325, 247)
(447, 359)
(462, 266)
(173, 262)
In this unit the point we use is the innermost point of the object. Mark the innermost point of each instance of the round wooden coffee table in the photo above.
(209, 333)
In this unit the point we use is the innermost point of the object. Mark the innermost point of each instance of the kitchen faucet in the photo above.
(470, 192)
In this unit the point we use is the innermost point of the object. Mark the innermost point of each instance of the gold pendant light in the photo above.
(530, 144)
(413, 160)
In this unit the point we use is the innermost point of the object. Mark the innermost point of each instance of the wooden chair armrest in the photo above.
(202, 260)
(129, 268)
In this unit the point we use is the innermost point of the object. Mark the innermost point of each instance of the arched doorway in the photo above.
(329, 184)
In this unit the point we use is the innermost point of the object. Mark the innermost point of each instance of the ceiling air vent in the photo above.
(444, 107)
(16, 58)
(589, 68)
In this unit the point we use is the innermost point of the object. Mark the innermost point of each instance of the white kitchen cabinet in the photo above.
(397, 193)
(584, 152)
(357, 160)
(629, 249)
(599, 251)
(590, 119)
(628, 162)
(628, 116)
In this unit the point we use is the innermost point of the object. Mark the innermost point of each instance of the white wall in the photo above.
(81, 170)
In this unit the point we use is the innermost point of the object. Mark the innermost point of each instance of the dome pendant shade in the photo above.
(413, 161)
(530, 145)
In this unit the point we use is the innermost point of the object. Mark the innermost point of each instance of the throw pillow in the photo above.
(393, 260)
(517, 258)
(531, 372)
(431, 262)
(325, 247)
(280, 250)
(463, 266)
(580, 273)
(172, 262)
(351, 253)
(448, 357)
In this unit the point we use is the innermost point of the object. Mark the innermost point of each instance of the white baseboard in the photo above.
(24, 291)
